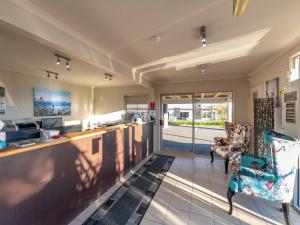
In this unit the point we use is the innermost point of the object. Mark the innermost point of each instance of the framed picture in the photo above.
(51, 102)
(272, 91)
(2, 101)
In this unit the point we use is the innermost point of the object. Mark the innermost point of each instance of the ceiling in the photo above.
(29, 57)
(124, 30)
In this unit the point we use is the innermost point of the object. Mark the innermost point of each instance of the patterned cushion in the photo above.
(270, 178)
(237, 139)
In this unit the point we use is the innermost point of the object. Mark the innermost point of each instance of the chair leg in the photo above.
(226, 162)
(212, 156)
(285, 208)
(230, 194)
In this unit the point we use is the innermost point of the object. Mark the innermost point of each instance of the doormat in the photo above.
(130, 202)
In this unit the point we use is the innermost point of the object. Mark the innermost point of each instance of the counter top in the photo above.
(64, 138)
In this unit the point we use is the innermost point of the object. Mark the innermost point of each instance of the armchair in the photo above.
(238, 139)
(271, 178)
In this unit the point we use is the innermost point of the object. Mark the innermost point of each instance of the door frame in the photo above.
(193, 115)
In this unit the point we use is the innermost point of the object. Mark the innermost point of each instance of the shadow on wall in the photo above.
(53, 185)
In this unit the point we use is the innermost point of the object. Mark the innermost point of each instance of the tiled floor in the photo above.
(194, 192)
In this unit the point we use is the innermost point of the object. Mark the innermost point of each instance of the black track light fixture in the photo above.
(68, 67)
(58, 60)
(203, 68)
(203, 36)
(61, 57)
(108, 76)
(49, 73)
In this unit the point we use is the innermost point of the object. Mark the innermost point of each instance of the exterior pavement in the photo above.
(179, 138)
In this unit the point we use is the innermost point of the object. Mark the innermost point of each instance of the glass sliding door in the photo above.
(189, 122)
(211, 110)
(177, 123)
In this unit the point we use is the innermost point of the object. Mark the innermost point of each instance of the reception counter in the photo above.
(50, 183)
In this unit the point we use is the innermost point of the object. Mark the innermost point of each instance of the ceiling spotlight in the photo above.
(66, 59)
(108, 76)
(68, 66)
(53, 73)
(202, 69)
(203, 36)
(58, 60)
(156, 38)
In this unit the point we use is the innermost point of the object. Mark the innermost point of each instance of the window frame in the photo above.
(138, 110)
(297, 189)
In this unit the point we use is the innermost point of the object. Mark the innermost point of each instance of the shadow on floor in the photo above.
(200, 149)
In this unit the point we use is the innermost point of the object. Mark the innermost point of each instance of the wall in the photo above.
(19, 95)
(276, 68)
(109, 102)
(239, 88)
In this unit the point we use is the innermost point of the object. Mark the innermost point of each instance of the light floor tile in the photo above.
(156, 212)
(176, 217)
(149, 222)
(194, 192)
(196, 219)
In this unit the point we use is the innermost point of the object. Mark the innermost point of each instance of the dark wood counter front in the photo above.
(55, 183)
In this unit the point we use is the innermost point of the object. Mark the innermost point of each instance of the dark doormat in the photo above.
(130, 202)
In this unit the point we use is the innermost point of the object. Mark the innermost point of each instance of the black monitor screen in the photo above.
(52, 122)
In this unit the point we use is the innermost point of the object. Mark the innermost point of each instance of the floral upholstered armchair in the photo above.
(271, 178)
(238, 140)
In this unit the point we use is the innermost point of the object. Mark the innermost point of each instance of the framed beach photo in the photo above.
(272, 91)
(51, 102)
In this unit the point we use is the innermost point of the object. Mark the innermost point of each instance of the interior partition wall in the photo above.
(190, 121)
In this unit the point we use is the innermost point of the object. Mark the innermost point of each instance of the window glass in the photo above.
(135, 104)
(295, 72)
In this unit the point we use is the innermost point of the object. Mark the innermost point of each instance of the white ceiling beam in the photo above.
(46, 29)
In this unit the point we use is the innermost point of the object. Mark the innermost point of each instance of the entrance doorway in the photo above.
(191, 121)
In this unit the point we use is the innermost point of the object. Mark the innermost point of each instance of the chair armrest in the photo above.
(258, 174)
(252, 161)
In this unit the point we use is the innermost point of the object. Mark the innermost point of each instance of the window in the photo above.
(295, 68)
(184, 115)
(135, 104)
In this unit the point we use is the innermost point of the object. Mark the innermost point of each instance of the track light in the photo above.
(49, 73)
(108, 76)
(68, 67)
(58, 60)
(202, 69)
(203, 36)
(60, 57)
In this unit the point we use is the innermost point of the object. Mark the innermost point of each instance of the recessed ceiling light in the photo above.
(156, 38)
